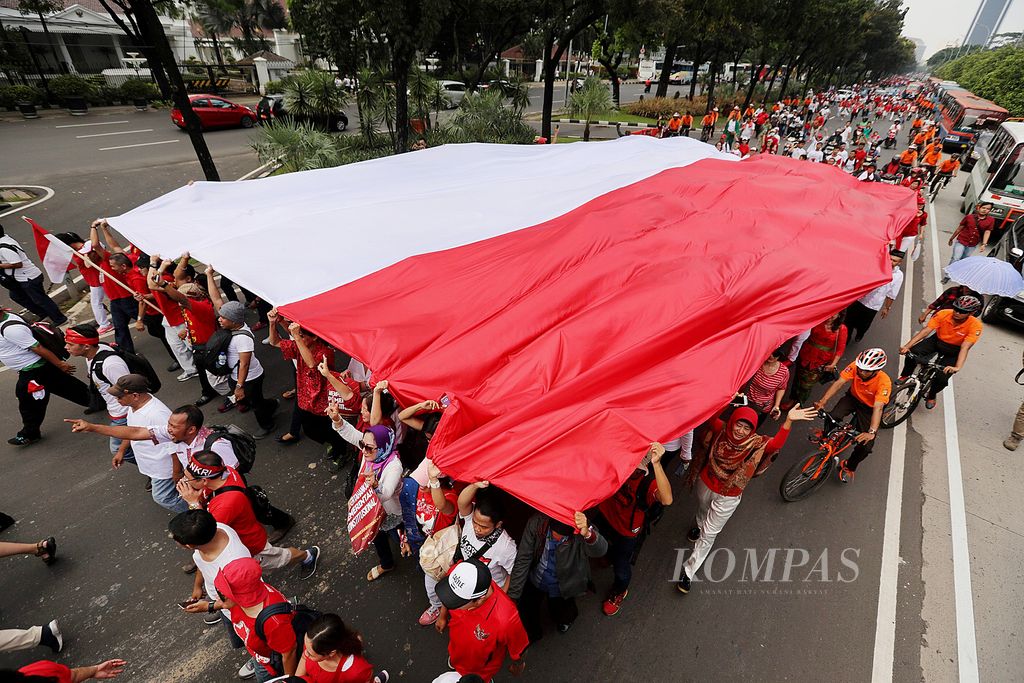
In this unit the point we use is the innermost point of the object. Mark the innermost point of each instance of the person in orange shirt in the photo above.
(914, 128)
(908, 159)
(707, 127)
(870, 390)
(931, 158)
(947, 171)
(673, 125)
(686, 124)
(956, 330)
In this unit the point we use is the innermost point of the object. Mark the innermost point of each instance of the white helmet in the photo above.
(870, 360)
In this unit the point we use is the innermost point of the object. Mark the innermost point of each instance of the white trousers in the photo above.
(431, 585)
(713, 511)
(12, 639)
(98, 312)
(273, 557)
(179, 348)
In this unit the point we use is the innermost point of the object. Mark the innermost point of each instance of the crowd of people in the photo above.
(493, 573)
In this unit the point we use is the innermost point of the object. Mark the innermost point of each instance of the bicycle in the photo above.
(907, 392)
(810, 472)
(939, 182)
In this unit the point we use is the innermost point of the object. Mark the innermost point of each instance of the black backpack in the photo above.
(302, 617)
(242, 443)
(137, 365)
(213, 355)
(258, 499)
(50, 337)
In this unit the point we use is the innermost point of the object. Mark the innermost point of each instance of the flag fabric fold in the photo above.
(54, 255)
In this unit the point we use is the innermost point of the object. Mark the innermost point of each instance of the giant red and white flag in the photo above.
(575, 302)
(54, 255)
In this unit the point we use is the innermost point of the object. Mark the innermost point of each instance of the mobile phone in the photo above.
(188, 602)
(740, 400)
(444, 401)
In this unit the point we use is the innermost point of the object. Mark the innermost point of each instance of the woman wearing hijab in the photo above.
(733, 455)
(819, 354)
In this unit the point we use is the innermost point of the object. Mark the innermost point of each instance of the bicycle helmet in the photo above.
(967, 304)
(870, 360)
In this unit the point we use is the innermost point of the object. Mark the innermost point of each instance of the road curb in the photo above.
(608, 123)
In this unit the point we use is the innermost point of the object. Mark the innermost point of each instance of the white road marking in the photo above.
(141, 144)
(21, 207)
(888, 584)
(963, 597)
(120, 132)
(82, 125)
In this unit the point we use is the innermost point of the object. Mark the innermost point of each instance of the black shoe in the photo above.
(203, 400)
(189, 567)
(684, 584)
(277, 535)
(694, 535)
(174, 367)
(563, 628)
(262, 432)
(51, 637)
(149, 484)
(382, 676)
(6, 521)
(308, 566)
(20, 440)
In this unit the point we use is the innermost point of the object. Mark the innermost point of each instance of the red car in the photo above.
(216, 112)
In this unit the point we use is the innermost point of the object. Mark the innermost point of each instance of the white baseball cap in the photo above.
(468, 581)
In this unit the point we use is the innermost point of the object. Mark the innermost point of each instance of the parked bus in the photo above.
(997, 176)
(963, 114)
(651, 68)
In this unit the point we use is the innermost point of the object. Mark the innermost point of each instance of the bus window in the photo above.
(1008, 178)
(998, 148)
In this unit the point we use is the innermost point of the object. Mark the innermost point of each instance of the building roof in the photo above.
(265, 54)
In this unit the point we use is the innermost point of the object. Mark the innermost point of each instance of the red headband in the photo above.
(77, 338)
(202, 471)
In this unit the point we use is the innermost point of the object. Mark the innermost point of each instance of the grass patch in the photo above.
(613, 115)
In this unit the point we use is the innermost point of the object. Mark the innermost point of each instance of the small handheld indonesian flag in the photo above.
(37, 390)
(54, 254)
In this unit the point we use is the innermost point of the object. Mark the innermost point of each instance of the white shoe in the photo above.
(186, 376)
(248, 670)
(266, 342)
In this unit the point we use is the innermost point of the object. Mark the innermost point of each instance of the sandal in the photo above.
(47, 550)
(377, 572)
(288, 394)
(288, 439)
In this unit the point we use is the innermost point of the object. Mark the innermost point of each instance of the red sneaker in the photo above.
(613, 603)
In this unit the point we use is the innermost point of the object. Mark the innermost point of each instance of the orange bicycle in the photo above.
(810, 472)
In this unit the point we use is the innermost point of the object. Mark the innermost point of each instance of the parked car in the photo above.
(681, 77)
(454, 91)
(1009, 247)
(216, 112)
(506, 87)
(271, 107)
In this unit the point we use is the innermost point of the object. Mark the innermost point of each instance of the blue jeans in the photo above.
(960, 251)
(166, 496)
(407, 497)
(115, 442)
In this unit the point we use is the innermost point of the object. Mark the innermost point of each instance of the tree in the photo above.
(331, 30)
(39, 8)
(992, 74)
(313, 95)
(627, 29)
(215, 21)
(122, 13)
(590, 101)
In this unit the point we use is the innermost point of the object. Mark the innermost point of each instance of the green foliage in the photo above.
(664, 107)
(302, 147)
(483, 117)
(591, 99)
(313, 95)
(136, 88)
(992, 74)
(11, 95)
(70, 85)
(277, 87)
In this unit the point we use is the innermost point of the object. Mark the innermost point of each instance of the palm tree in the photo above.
(591, 100)
(313, 95)
(296, 146)
(421, 89)
(215, 21)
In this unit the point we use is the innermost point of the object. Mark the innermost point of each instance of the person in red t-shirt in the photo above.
(173, 322)
(333, 653)
(46, 670)
(116, 265)
(621, 518)
(209, 483)
(271, 642)
(483, 623)
(733, 454)
(200, 323)
(972, 233)
(92, 277)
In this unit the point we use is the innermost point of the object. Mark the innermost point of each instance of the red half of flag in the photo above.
(54, 255)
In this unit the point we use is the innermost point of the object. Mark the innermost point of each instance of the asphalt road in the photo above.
(115, 586)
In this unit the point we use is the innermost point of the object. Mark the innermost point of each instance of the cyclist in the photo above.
(907, 160)
(870, 389)
(947, 171)
(956, 331)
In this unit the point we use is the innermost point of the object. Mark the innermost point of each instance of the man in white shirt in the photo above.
(861, 313)
(40, 373)
(246, 370)
(105, 368)
(817, 155)
(24, 281)
(154, 460)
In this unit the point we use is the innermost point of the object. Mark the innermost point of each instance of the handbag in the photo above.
(437, 553)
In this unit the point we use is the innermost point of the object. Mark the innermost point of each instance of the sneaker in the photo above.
(248, 670)
(277, 535)
(683, 586)
(203, 400)
(262, 433)
(226, 407)
(186, 376)
(259, 326)
(308, 566)
(213, 620)
(845, 474)
(1011, 443)
(149, 484)
(382, 677)
(564, 628)
(429, 616)
(174, 367)
(106, 328)
(51, 637)
(929, 403)
(20, 440)
(694, 535)
(189, 567)
(612, 605)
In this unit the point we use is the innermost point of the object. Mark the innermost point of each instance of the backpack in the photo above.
(242, 443)
(258, 499)
(302, 617)
(137, 364)
(213, 355)
(50, 337)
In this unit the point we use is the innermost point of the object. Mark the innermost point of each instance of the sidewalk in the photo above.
(986, 399)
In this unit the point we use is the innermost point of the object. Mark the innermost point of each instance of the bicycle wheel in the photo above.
(906, 394)
(805, 476)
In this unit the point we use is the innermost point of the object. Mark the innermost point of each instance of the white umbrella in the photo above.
(986, 275)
